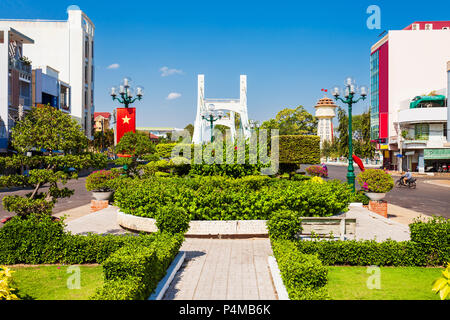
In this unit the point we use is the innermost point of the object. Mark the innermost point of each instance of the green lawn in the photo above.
(397, 283)
(51, 282)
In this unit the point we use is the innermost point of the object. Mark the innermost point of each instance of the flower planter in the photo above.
(374, 196)
(102, 195)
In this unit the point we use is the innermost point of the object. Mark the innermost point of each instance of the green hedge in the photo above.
(133, 272)
(133, 265)
(220, 198)
(429, 246)
(228, 170)
(40, 240)
(304, 275)
(299, 149)
(164, 150)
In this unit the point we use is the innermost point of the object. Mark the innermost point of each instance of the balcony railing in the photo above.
(422, 115)
(19, 65)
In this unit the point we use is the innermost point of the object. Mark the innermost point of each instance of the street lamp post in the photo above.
(126, 93)
(211, 116)
(350, 90)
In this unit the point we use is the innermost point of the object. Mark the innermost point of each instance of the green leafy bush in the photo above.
(433, 235)
(300, 177)
(299, 149)
(303, 275)
(221, 198)
(360, 197)
(133, 272)
(164, 150)
(228, 170)
(429, 246)
(172, 219)
(375, 180)
(101, 180)
(284, 224)
(133, 265)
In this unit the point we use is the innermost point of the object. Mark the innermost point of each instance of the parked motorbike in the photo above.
(410, 184)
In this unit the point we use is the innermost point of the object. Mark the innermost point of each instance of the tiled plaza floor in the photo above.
(223, 269)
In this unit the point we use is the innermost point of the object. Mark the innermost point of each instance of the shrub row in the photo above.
(37, 240)
(133, 272)
(429, 246)
(304, 275)
(220, 198)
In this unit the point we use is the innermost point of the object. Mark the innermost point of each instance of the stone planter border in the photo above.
(199, 228)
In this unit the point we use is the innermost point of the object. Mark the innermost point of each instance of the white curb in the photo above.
(276, 277)
(164, 284)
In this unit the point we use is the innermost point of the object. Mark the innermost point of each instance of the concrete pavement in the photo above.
(428, 199)
(224, 269)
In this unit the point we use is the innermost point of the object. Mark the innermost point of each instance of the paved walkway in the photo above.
(403, 215)
(223, 269)
(372, 226)
(103, 222)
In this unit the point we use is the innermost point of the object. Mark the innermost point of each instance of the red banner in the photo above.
(126, 122)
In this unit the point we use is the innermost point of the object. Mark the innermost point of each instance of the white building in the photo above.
(325, 112)
(67, 46)
(15, 80)
(406, 64)
(49, 89)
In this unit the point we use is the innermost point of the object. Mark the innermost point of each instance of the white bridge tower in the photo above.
(229, 107)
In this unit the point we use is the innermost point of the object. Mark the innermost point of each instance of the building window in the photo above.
(86, 74)
(445, 130)
(92, 48)
(428, 26)
(85, 99)
(415, 26)
(92, 73)
(421, 131)
(374, 95)
(86, 48)
(2, 36)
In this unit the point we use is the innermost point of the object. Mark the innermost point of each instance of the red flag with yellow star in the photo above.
(125, 122)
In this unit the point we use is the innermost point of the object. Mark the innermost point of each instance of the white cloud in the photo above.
(165, 71)
(173, 96)
(114, 66)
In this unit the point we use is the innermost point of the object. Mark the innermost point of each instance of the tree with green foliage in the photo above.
(134, 145)
(296, 121)
(102, 140)
(190, 129)
(49, 143)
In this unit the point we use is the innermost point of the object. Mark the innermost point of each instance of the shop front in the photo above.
(437, 160)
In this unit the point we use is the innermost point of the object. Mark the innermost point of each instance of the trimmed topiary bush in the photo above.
(100, 181)
(375, 180)
(299, 149)
(284, 224)
(172, 219)
(304, 275)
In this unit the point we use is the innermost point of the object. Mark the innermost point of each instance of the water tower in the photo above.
(325, 112)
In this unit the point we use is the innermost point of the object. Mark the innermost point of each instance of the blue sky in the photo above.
(288, 49)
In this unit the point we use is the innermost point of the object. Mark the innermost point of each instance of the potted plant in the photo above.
(376, 183)
(99, 182)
